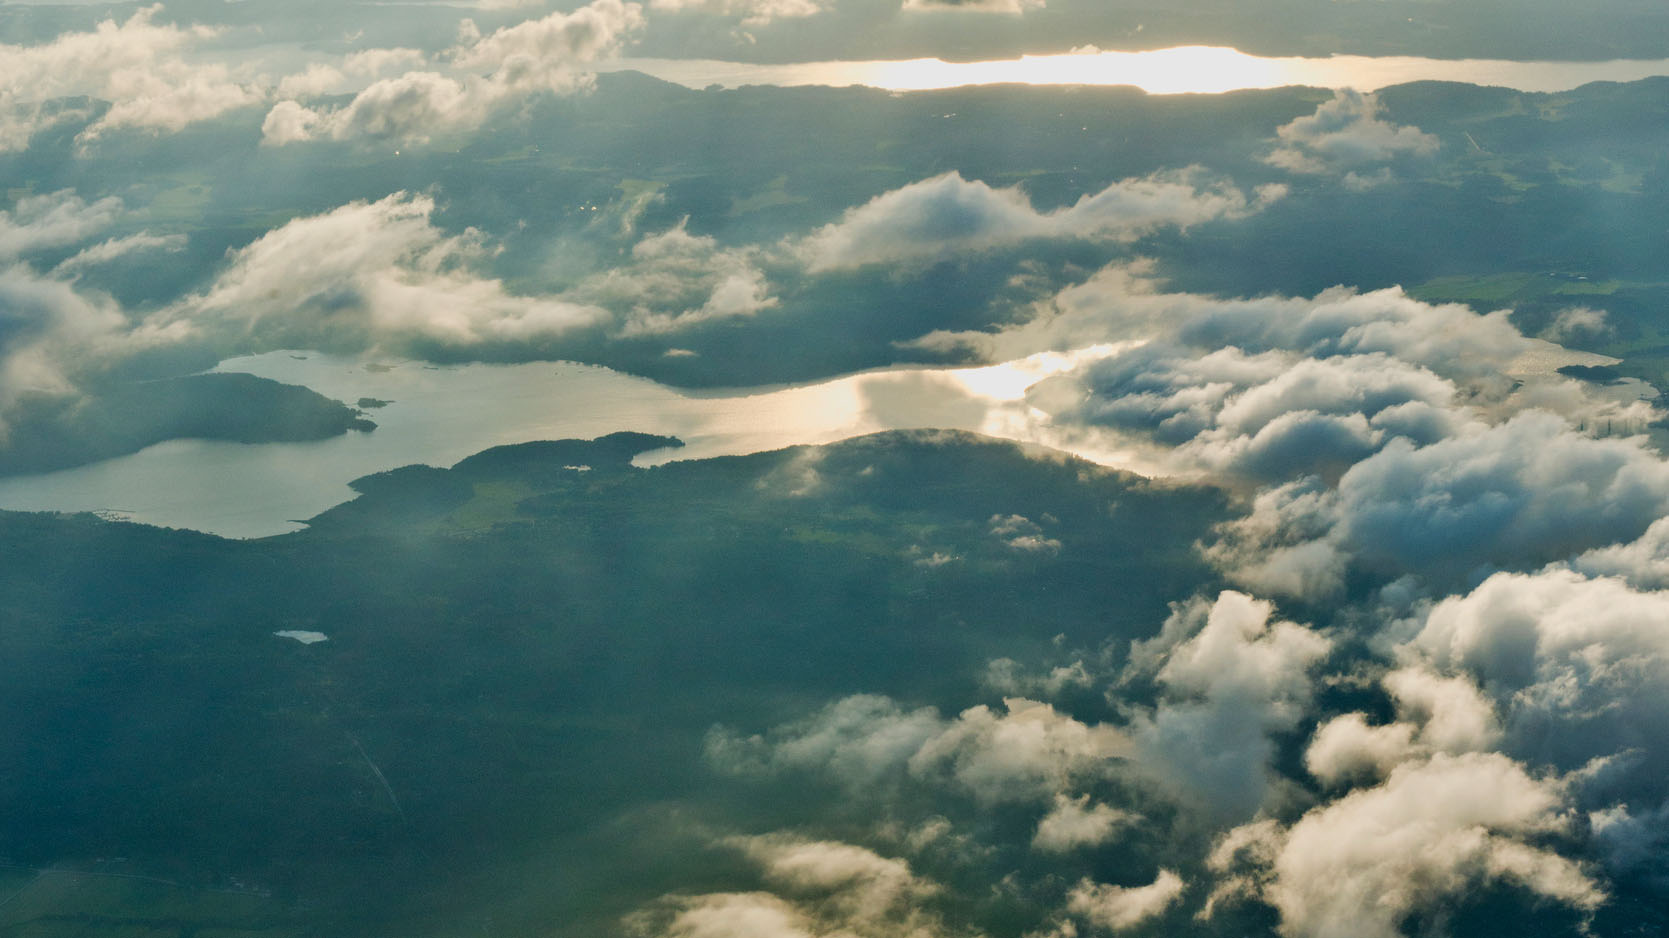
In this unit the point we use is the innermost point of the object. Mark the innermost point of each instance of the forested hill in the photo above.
(523, 655)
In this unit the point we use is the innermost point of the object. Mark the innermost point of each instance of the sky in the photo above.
(1412, 334)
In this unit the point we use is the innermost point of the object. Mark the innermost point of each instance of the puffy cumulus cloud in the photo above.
(1272, 389)
(1434, 714)
(289, 122)
(1022, 534)
(948, 214)
(369, 275)
(1118, 908)
(1451, 713)
(53, 220)
(1398, 435)
(1563, 672)
(1076, 822)
(541, 56)
(676, 280)
(1346, 133)
(1346, 749)
(1447, 338)
(1577, 322)
(137, 65)
(751, 13)
(1643, 562)
(51, 335)
(1578, 668)
(317, 79)
(1009, 677)
(1268, 415)
(1127, 302)
(722, 915)
(1013, 7)
(339, 76)
(1519, 494)
(1027, 752)
(1229, 677)
(1030, 752)
(818, 889)
(856, 884)
(1431, 832)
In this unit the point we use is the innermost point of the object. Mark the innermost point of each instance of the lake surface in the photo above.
(440, 415)
(1188, 69)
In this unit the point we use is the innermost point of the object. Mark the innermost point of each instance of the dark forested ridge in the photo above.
(524, 654)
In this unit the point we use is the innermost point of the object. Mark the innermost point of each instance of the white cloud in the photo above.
(948, 214)
(1269, 415)
(1076, 822)
(1434, 830)
(1434, 714)
(54, 220)
(1577, 666)
(136, 65)
(1343, 133)
(289, 122)
(751, 13)
(369, 275)
(106, 251)
(1022, 534)
(1643, 562)
(676, 280)
(1125, 302)
(317, 79)
(1452, 714)
(52, 332)
(1346, 749)
(1118, 908)
(1013, 7)
(1519, 494)
(1274, 389)
(1229, 677)
(819, 889)
(1008, 677)
(730, 915)
(1029, 752)
(541, 56)
(1577, 322)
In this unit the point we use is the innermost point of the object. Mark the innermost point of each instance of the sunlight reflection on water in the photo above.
(1182, 70)
(439, 415)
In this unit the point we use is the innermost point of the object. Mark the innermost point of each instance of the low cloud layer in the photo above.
(1347, 135)
(948, 214)
(1024, 752)
(1520, 494)
(136, 65)
(1433, 830)
(813, 889)
(541, 56)
(1229, 678)
(369, 275)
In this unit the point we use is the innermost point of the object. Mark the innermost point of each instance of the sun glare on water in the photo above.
(1182, 70)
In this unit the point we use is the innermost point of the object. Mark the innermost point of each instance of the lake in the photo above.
(440, 414)
(1187, 69)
